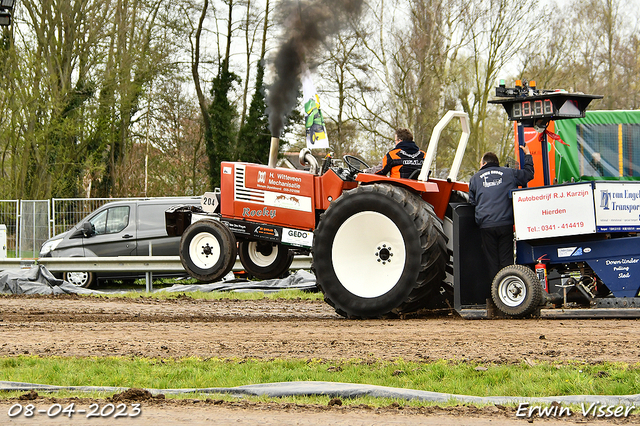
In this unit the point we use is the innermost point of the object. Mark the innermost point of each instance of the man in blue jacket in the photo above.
(490, 191)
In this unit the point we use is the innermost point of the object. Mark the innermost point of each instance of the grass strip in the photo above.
(369, 401)
(544, 379)
(214, 295)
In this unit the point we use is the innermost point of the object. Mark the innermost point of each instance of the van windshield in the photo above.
(111, 221)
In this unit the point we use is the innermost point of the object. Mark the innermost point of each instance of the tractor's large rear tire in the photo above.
(208, 250)
(379, 249)
(516, 291)
(265, 260)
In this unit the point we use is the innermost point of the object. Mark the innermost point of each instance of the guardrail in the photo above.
(140, 264)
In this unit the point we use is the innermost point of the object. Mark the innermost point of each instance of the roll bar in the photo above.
(433, 145)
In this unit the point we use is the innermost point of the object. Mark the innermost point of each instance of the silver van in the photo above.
(120, 228)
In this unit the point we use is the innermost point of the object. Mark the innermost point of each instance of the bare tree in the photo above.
(409, 57)
(53, 80)
(139, 54)
(255, 26)
(546, 59)
(591, 47)
(195, 65)
(498, 31)
(171, 143)
(345, 60)
(630, 73)
(425, 69)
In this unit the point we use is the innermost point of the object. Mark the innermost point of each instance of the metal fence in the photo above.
(66, 212)
(34, 227)
(9, 212)
(29, 223)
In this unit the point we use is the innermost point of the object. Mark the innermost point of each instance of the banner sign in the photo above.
(259, 231)
(272, 233)
(617, 206)
(554, 211)
(313, 120)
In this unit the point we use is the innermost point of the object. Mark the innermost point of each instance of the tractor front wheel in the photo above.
(208, 250)
(516, 291)
(378, 249)
(265, 260)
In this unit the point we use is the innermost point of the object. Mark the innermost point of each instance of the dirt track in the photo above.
(266, 329)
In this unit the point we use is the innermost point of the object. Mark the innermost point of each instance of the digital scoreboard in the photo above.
(535, 108)
(531, 106)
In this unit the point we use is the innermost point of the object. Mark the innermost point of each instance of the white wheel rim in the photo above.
(512, 291)
(78, 278)
(204, 250)
(368, 254)
(260, 259)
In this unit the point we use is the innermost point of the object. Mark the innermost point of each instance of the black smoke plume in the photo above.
(307, 25)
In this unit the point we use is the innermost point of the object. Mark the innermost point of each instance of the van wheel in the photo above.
(208, 250)
(265, 260)
(80, 279)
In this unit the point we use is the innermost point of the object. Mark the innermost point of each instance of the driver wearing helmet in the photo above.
(404, 159)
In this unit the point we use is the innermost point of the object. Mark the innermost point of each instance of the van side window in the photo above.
(111, 221)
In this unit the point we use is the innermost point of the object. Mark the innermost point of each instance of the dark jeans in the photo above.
(497, 244)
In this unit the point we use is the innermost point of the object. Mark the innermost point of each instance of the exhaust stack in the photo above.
(306, 157)
(273, 152)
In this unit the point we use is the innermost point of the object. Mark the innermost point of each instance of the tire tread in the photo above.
(534, 291)
(432, 242)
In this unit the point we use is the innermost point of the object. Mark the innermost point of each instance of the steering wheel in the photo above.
(353, 163)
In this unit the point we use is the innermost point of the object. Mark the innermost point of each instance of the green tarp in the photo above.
(603, 145)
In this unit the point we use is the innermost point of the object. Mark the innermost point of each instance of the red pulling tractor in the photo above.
(394, 246)
(378, 244)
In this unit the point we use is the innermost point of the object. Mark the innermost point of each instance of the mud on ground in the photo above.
(268, 329)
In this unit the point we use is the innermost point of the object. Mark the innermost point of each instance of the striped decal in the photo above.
(241, 192)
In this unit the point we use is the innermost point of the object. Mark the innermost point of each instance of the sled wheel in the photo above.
(263, 259)
(378, 249)
(516, 291)
(80, 279)
(208, 250)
